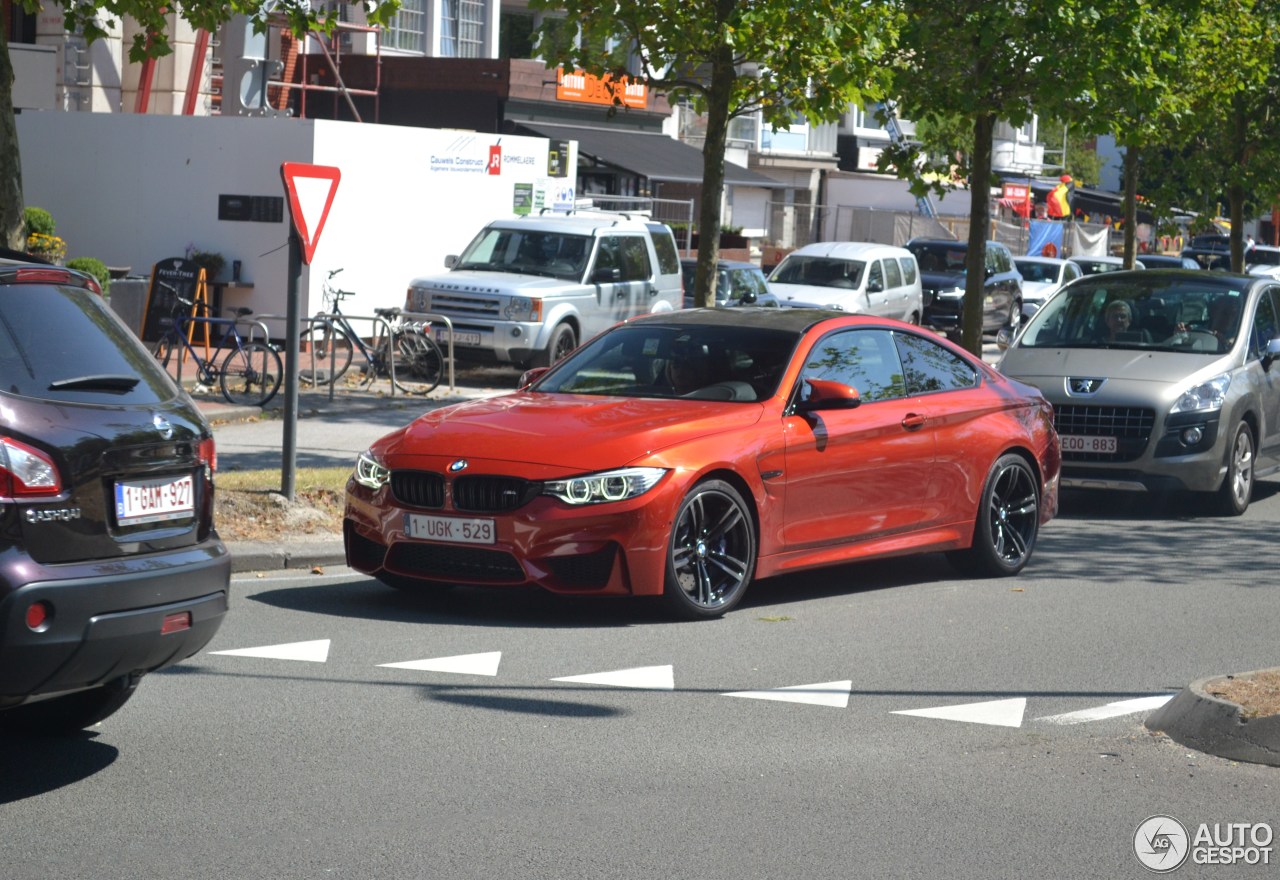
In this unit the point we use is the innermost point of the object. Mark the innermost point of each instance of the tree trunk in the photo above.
(13, 224)
(719, 93)
(1236, 192)
(975, 261)
(1130, 172)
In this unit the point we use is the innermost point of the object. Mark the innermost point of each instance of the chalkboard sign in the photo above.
(174, 274)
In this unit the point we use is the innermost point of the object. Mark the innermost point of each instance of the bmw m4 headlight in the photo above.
(1205, 397)
(369, 472)
(605, 486)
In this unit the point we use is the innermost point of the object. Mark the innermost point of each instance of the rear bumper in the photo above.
(106, 619)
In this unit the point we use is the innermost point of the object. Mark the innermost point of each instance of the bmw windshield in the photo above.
(1163, 311)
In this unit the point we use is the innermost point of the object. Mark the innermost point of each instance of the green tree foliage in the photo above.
(1226, 144)
(982, 61)
(94, 18)
(727, 58)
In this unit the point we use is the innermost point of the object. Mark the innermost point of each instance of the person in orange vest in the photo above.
(1058, 201)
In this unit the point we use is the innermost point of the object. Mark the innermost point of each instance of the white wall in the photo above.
(132, 190)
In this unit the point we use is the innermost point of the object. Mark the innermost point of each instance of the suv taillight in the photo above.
(26, 472)
(208, 454)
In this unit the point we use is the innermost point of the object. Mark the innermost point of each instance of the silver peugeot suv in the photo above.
(1160, 379)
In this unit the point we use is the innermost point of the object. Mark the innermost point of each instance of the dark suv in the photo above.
(942, 275)
(110, 567)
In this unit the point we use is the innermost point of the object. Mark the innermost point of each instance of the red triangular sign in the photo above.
(311, 189)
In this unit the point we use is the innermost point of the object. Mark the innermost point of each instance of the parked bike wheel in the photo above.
(332, 355)
(419, 362)
(252, 374)
(163, 350)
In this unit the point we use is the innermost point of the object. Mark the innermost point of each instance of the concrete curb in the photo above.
(1198, 720)
(298, 556)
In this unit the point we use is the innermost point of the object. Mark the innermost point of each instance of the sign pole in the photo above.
(311, 189)
(293, 341)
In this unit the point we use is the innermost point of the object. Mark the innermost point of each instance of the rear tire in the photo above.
(69, 714)
(1237, 486)
(252, 375)
(1007, 524)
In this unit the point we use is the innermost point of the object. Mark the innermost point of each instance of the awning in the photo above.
(650, 155)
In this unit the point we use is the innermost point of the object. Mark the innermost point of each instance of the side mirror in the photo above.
(528, 377)
(1004, 338)
(451, 261)
(606, 275)
(825, 394)
(875, 287)
(1271, 353)
(748, 298)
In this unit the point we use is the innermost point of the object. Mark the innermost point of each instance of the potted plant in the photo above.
(211, 261)
(42, 240)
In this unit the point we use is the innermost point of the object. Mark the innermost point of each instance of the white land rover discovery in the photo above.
(528, 290)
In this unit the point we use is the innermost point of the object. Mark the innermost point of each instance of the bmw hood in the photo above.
(567, 433)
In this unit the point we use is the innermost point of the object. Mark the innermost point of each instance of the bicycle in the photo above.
(251, 372)
(330, 343)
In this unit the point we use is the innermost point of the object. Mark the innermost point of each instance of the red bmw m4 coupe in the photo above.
(685, 454)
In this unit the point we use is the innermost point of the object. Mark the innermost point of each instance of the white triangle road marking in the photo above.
(312, 652)
(827, 693)
(462, 664)
(1111, 710)
(654, 678)
(1001, 713)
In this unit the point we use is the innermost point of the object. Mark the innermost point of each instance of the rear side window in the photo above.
(908, 270)
(664, 245)
(928, 367)
(635, 259)
(65, 344)
(893, 274)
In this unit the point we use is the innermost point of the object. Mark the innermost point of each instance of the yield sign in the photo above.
(311, 189)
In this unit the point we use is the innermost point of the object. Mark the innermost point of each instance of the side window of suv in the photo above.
(635, 259)
(664, 245)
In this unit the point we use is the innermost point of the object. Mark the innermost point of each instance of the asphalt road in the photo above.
(524, 736)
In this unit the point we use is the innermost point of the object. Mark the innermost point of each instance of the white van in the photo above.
(855, 276)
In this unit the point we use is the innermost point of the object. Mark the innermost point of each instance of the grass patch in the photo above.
(248, 505)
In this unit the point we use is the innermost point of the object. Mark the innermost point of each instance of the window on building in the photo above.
(407, 28)
(462, 28)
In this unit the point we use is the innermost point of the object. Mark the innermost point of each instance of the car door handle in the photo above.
(914, 421)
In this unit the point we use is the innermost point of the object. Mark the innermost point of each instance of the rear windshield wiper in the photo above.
(96, 383)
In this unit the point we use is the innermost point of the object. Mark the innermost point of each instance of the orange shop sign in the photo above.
(583, 88)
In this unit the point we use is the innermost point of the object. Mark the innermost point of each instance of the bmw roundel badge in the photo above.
(459, 465)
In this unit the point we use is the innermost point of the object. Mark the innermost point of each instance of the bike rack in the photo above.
(429, 317)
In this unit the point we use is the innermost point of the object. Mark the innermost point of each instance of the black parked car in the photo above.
(942, 274)
(110, 567)
(738, 284)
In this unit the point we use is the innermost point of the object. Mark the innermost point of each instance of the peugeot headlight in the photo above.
(1205, 397)
(370, 472)
(604, 486)
(523, 308)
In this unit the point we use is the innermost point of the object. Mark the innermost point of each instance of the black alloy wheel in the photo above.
(711, 554)
(1007, 524)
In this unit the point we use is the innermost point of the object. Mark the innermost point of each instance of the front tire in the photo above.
(1237, 486)
(1007, 524)
(563, 341)
(711, 554)
(69, 714)
(252, 375)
